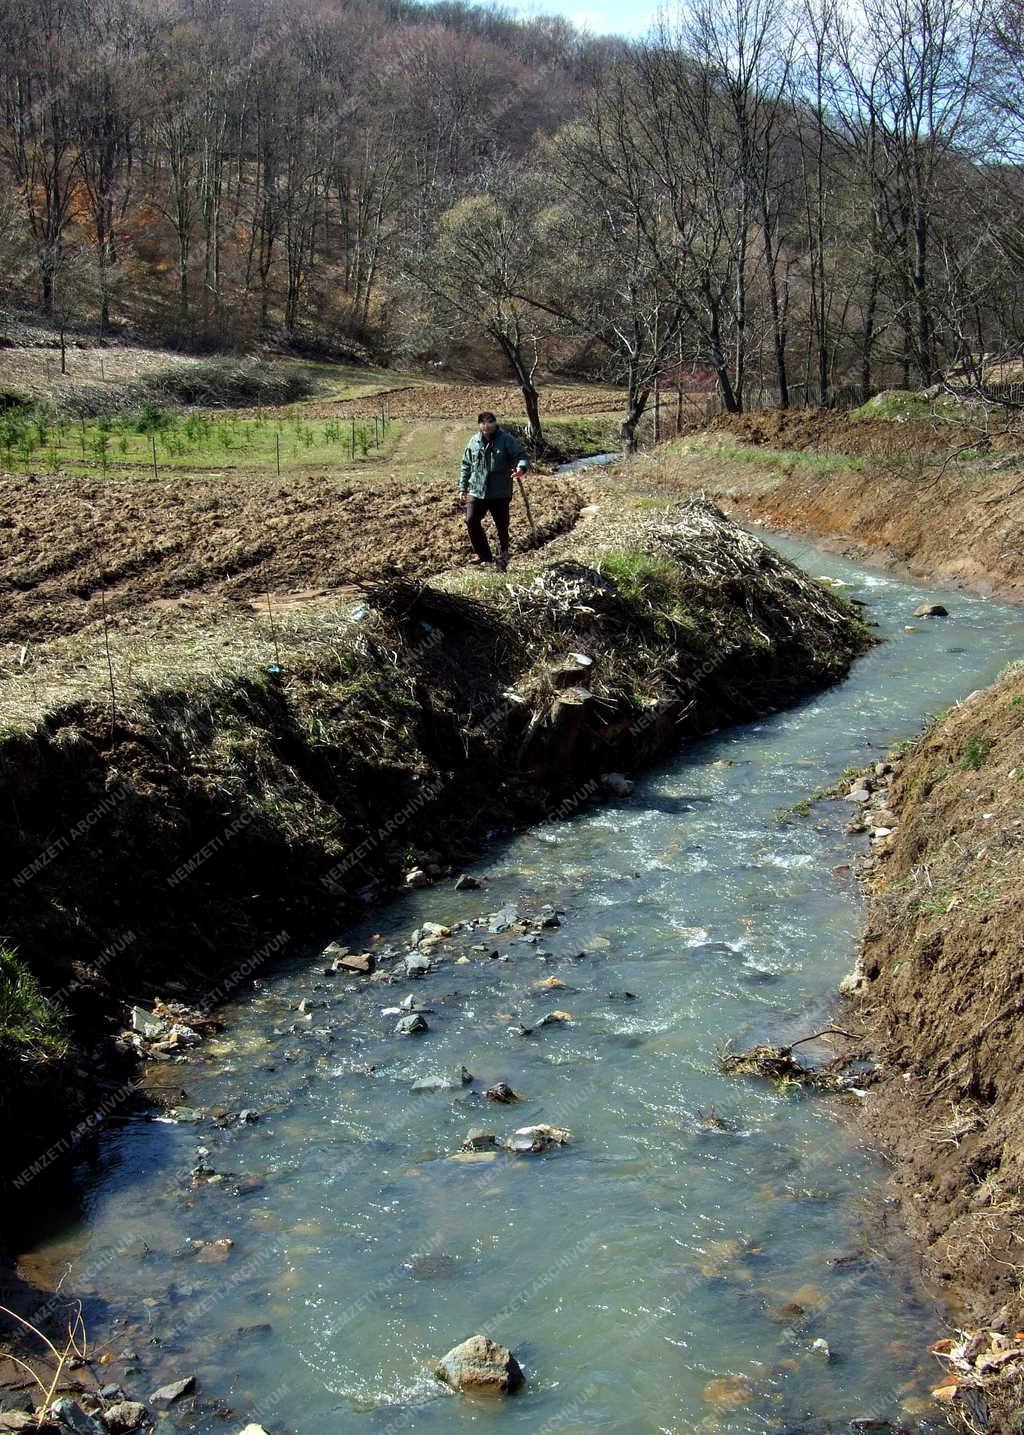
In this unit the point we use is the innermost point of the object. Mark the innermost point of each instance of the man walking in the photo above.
(491, 457)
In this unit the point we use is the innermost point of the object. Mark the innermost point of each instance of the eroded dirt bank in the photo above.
(247, 788)
(932, 499)
(940, 996)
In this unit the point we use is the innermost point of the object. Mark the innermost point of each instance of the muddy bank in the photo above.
(247, 788)
(931, 500)
(938, 990)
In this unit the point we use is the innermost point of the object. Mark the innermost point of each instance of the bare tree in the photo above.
(39, 142)
(597, 278)
(478, 274)
(106, 100)
(905, 90)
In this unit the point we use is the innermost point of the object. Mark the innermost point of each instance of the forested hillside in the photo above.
(784, 204)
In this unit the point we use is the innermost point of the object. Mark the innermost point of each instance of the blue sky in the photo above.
(601, 17)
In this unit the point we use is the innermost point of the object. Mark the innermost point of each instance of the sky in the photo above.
(600, 17)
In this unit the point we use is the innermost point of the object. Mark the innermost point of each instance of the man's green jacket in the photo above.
(487, 468)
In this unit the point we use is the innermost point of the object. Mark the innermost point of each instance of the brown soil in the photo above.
(895, 505)
(833, 431)
(459, 401)
(68, 539)
(943, 954)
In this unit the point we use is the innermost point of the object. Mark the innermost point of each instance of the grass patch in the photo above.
(590, 434)
(655, 588)
(348, 381)
(641, 579)
(781, 461)
(32, 1027)
(976, 752)
(904, 405)
(790, 460)
(137, 439)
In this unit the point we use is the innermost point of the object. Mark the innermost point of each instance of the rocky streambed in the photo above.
(226, 806)
(494, 1109)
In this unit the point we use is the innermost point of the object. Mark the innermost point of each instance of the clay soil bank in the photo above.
(939, 995)
(929, 498)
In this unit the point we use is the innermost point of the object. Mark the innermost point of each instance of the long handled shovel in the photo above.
(526, 501)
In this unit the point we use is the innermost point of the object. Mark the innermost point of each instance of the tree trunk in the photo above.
(923, 335)
(778, 335)
(635, 412)
(46, 286)
(725, 388)
(868, 341)
(531, 398)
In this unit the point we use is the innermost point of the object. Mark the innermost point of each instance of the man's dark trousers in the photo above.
(476, 508)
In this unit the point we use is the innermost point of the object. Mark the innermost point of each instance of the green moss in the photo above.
(796, 811)
(32, 1026)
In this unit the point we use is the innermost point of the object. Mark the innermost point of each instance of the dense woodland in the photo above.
(779, 200)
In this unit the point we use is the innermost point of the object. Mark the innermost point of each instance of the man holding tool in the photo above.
(492, 457)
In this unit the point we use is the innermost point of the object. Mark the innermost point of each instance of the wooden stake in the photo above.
(110, 665)
(529, 515)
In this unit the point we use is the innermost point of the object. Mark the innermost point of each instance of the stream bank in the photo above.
(937, 989)
(248, 789)
(703, 1252)
(937, 985)
(940, 501)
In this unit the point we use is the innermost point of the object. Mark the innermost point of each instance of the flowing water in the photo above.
(576, 465)
(670, 1268)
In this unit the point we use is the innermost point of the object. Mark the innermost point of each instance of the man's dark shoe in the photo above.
(501, 562)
